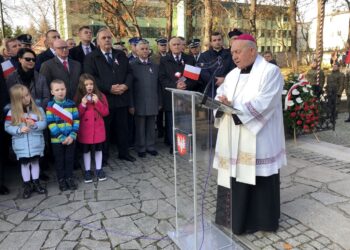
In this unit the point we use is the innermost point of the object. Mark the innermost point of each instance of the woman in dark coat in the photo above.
(26, 75)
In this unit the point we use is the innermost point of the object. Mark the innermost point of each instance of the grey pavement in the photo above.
(134, 208)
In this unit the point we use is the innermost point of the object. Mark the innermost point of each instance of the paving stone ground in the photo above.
(134, 208)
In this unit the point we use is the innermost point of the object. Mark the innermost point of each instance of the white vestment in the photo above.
(258, 96)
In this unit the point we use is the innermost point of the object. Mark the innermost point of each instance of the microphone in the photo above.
(215, 63)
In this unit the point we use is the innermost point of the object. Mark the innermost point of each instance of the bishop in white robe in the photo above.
(250, 147)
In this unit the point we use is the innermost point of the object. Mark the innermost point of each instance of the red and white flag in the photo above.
(192, 72)
(7, 68)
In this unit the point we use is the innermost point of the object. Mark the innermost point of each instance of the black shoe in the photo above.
(347, 120)
(141, 154)
(127, 158)
(62, 185)
(4, 190)
(71, 184)
(87, 176)
(44, 177)
(101, 176)
(38, 188)
(152, 152)
(27, 191)
(171, 151)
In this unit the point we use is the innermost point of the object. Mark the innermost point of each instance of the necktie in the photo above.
(177, 59)
(65, 65)
(87, 50)
(109, 59)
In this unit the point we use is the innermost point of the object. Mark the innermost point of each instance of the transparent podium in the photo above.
(203, 209)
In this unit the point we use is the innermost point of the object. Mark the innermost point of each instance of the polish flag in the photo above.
(192, 72)
(7, 68)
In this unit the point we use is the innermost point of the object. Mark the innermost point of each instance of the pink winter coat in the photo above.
(92, 127)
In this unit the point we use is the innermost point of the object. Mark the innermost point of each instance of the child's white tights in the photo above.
(87, 160)
(34, 170)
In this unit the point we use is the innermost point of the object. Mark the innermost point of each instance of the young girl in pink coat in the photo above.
(92, 106)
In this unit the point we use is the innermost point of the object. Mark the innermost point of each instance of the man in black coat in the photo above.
(114, 78)
(85, 46)
(171, 64)
(50, 37)
(216, 53)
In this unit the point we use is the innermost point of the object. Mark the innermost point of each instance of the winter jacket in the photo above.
(27, 144)
(61, 128)
(92, 127)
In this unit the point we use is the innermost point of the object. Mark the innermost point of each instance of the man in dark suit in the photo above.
(85, 46)
(114, 78)
(215, 52)
(50, 37)
(63, 68)
(171, 64)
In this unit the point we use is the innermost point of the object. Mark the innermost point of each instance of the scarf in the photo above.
(26, 76)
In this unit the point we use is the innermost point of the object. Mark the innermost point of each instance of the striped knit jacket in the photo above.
(62, 120)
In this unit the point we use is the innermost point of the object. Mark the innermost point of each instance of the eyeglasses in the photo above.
(28, 59)
(63, 48)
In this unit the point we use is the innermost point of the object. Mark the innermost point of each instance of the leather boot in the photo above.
(38, 188)
(27, 189)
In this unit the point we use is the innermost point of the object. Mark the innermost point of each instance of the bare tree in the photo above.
(169, 18)
(208, 20)
(252, 17)
(319, 40)
(293, 23)
(119, 17)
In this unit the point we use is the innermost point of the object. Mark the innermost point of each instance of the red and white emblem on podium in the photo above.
(181, 144)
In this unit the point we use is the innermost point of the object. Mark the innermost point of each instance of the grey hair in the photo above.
(141, 42)
(100, 30)
(251, 44)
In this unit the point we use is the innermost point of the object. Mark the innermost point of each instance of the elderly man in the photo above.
(63, 68)
(257, 142)
(113, 76)
(170, 64)
(145, 99)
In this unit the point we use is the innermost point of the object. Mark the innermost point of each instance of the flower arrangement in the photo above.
(301, 106)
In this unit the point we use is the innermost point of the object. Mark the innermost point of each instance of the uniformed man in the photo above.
(234, 33)
(133, 42)
(162, 48)
(334, 82)
(195, 48)
(311, 76)
(25, 40)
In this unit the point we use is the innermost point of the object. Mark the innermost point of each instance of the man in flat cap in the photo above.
(195, 48)
(256, 142)
(25, 40)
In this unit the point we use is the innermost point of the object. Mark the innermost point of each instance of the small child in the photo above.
(63, 122)
(92, 106)
(25, 121)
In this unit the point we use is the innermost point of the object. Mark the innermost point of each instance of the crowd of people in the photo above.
(71, 102)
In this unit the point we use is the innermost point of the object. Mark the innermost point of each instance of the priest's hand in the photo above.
(219, 80)
(224, 100)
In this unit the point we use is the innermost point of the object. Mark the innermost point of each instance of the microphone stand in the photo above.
(217, 63)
